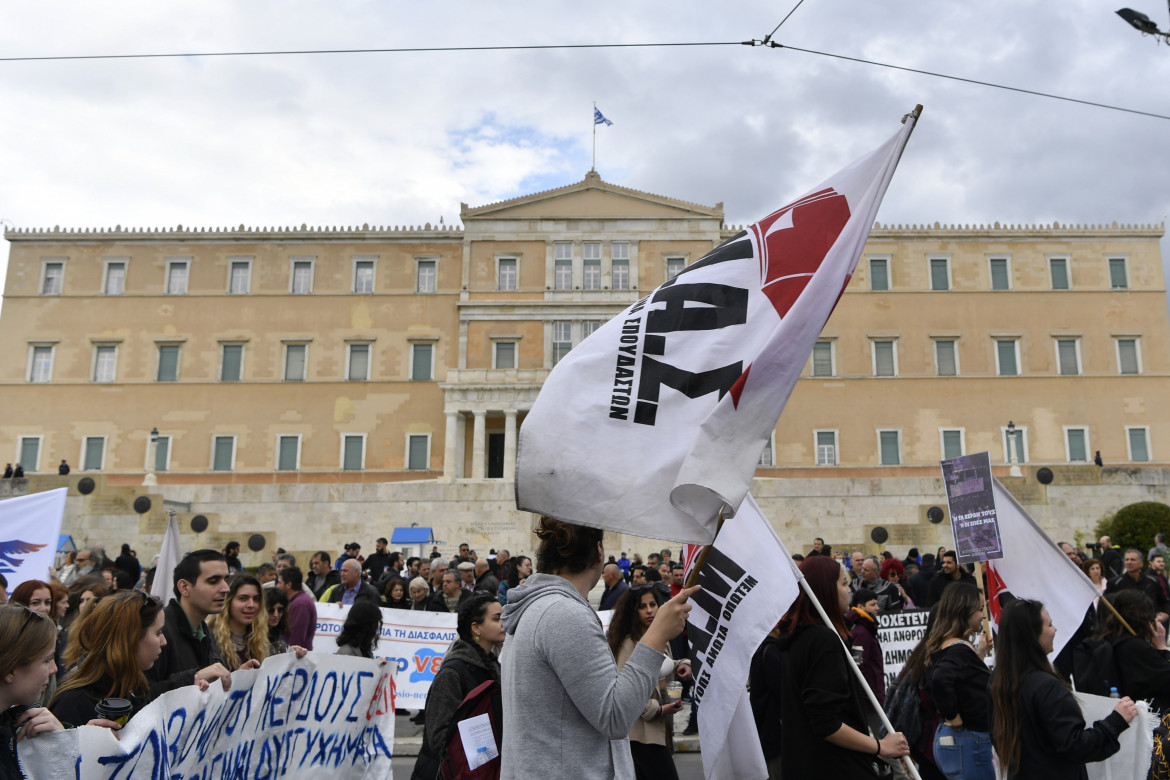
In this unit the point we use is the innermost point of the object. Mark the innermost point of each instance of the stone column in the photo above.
(452, 466)
(479, 445)
(510, 444)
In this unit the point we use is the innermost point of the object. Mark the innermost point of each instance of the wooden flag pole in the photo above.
(877, 707)
(701, 558)
(1117, 614)
(986, 605)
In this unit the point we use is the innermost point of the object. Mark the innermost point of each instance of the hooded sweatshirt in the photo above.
(567, 709)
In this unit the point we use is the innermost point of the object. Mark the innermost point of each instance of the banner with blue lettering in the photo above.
(290, 718)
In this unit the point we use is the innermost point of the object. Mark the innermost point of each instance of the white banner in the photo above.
(898, 635)
(1132, 761)
(29, 528)
(748, 582)
(657, 420)
(289, 718)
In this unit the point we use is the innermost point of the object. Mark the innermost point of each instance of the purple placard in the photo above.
(972, 504)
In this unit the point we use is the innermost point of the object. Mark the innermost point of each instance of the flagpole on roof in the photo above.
(593, 165)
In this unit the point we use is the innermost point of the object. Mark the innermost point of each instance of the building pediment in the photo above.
(591, 198)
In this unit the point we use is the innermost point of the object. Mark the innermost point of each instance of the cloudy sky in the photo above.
(404, 138)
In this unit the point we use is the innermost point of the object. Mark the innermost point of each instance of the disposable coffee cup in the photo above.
(117, 710)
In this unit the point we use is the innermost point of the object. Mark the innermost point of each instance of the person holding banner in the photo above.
(556, 662)
(1037, 726)
(825, 732)
(119, 638)
(957, 679)
(240, 631)
(28, 643)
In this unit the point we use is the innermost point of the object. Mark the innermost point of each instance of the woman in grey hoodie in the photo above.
(567, 709)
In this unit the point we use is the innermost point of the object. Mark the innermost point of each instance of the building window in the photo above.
(105, 362)
(1118, 278)
(589, 327)
(295, 362)
(885, 358)
(1000, 276)
(1139, 444)
(422, 362)
(418, 452)
(353, 452)
(223, 453)
(1068, 356)
(562, 333)
(766, 460)
(1058, 268)
(177, 272)
(674, 266)
(826, 444)
(357, 360)
(240, 276)
(168, 363)
(591, 278)
(1128, 357)
(563, 274)
(1076, 444)
(879, 274)
(621, 275)
(363, 275)
(1015, 444)
(952, 442)
(30, 453)
(93, 453)
(162, 453)
(288, 453)
(301, 281)
(40, 363)
(52, 277)
(822, 358)
(506, 274)
(940, 273)
(504, 354)
(946, 358)
(1007, 357)
(890, 447)
(231, 362)
(115, 278)
(426, 276)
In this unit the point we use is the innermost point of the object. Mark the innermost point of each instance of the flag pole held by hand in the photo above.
(701, 558)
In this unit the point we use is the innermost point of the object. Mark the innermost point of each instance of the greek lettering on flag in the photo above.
(29, 529)
(748, 583)
(599, 119)
(657, 420)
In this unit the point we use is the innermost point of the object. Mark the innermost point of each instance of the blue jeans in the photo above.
(967, 758)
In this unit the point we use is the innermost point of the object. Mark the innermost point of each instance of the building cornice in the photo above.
(998, 230)
(304, 233)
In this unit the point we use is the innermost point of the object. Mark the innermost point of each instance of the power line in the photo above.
(768, 37)
(568, 46)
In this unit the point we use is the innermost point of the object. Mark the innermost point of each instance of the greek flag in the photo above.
(599, 118)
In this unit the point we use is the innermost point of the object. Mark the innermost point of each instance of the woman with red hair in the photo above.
(894, 572)
(825, 732)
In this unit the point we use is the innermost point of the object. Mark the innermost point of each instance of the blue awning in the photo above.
(412, 536)
(65, 543)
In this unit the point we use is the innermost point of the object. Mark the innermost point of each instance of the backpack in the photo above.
(1094, 670)
(1160, 759)
(481, 700)
(903, 707)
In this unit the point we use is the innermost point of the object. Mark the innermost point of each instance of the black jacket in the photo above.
(319, 587)
(1145, 670)
(365, 591)
(183, 654)
(610, 596)
(1054, 742)
(940, 582)
(78, 706)
(1145, 583)
(376, 565)
(957, 679)
(765, 695)
(439, 604)
(818, 694)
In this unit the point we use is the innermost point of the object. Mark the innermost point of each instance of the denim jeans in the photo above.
(969, 758)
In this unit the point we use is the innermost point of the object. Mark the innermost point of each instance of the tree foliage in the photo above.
(1135, 525)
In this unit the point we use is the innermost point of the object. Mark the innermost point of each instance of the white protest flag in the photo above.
(748, 582)
(29, 529)
(658, 419)
(1033, 567)
(168, 558)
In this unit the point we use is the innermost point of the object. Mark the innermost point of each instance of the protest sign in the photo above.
(290, 718)
(29, 527)
(748, 582)
(899, 633)
(972, 504)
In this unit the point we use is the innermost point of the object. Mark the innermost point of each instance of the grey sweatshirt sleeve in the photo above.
(611, 701)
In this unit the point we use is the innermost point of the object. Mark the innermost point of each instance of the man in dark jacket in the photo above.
(918, 584)
(375, 565)
(450, 596)
(485, 581)
(1135, 578)
(323, 576)
(615, 586)
(231, 555)
(190, 653)
(352, 588)
(951, 572)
